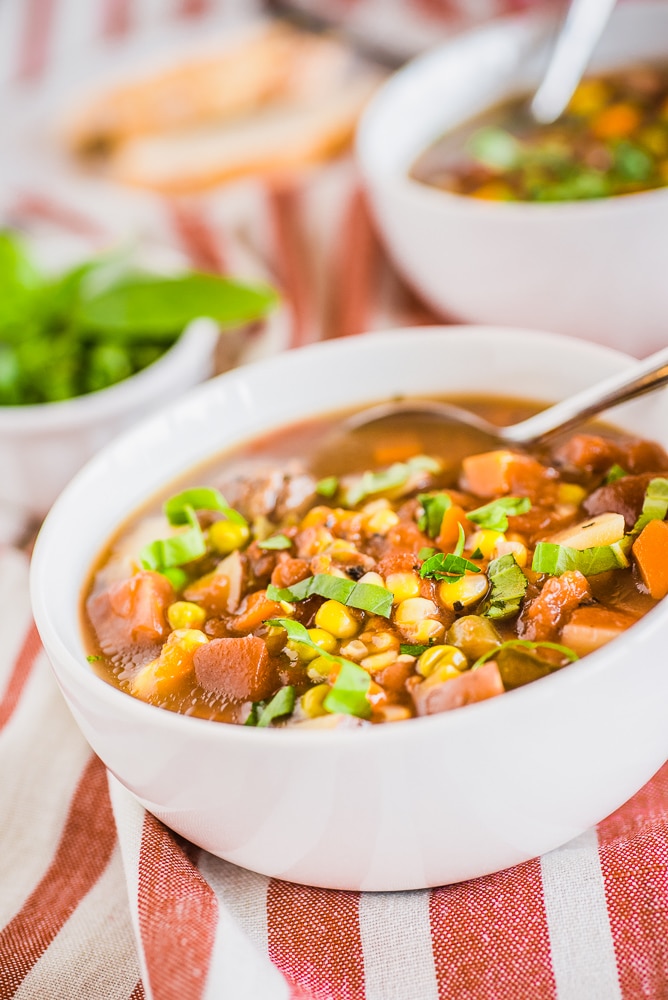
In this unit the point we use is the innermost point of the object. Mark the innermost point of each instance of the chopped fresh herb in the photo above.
(328, 486)
(176, 576)
(199, 498)
(282, 703)
(495, 148)
(508, 586)
(655, 504)
(426, 552)
(412, 649)
(450, 566)
(371, 483)
(275, 542)
(565, 651)
(434, 506)
(93, 659)
(365, 596)
(614, 473)
(556, 559)
(495, 515)
(348, 694)
(164, 553)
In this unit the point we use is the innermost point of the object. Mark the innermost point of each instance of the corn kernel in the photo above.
(324, 640)
(319, 669)
(373, 578)
(486, 539)
(414, 610)
(378, 661)
(312, 700)
(354, 650)
(317, 516)
(441, 656)
(403, 586)
(380, 522)
(334, 617)
(468, 590)
(516, 549)
(446, 672)
(379, 642)
(226, 536)
(428, 630)
(571, 493)
(185, 614)
(590, 95)
(373, 506)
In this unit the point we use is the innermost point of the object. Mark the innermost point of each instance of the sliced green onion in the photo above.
(328, 486)
(164, 553)
(495, 515)
(556, 559)
(365, 596)
(614, 473)
(655, 504)
(275, 542)
(565, 651)
(508, 586)
(370, 483)
(199, 498)
(348, 693)
(434, 506)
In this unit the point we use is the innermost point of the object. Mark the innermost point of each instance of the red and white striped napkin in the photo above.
(98, 900)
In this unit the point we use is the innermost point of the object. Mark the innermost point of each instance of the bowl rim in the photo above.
(121, 702)
(435, 199)
(192, 346)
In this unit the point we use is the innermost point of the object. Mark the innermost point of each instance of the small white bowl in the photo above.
(402, 806)
(595, 269)
(42, 446)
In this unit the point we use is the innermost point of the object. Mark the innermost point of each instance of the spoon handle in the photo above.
(584, 24)
(642, 377)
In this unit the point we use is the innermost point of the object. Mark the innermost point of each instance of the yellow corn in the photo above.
(380, 522)
(589, 96)
(486, 539)
(226, 536)
(403, 586)
(354, 650)
(428, 630)
(317, 515)
(373, 578)
(185, 614)
(320, 668)
(571, 493)
(324, 640)
(378, 661)
(516, 549)
(441, 656)
(414, 610)
(379, 642)
(468, 590)
(312, 700)
(334, 617)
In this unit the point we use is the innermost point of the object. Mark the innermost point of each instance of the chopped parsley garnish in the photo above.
(449, 566)
(372, 483)
(508, 586)
(365, 596)
(434, 506)
(495, 515)
(199, 498)
(556, 559)
(275, 542)
(165, 553)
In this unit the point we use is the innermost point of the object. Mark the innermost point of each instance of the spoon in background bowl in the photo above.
(643, 377)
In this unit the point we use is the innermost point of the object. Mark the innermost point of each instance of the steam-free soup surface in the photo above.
(611, 140)
(319, 579)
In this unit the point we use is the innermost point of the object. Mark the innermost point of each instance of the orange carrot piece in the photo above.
(616, 122)
(400, 448)
(650, 551)
(448, 535)
(495, 472)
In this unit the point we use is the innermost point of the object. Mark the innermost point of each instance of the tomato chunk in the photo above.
(236, 669)
(131, 613)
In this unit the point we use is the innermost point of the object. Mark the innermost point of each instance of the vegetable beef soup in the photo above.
(320, 578)
(611, 140)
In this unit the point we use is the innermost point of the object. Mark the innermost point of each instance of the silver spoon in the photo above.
(582, 29)
(644, 376)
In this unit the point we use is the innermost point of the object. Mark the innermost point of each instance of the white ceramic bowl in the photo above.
(413, 804)
(42, 446)
(595, 269)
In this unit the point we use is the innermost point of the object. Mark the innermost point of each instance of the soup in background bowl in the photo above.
(435, 799)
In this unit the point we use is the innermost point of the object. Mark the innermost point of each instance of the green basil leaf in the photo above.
(556, 559)
(153, 306)
(372, 483)
(328, 486)
(275, 542)
(449, 566)
(614, 473)
(365, 596)
(565, 651)
(281, 704)
(164, 553)
(494, 515)
(349, 692)
(199, 498)
(434, 506)
(508, 585)
(655, 504)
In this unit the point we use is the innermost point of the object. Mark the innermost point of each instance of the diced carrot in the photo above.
(473, 685)
(448, 535)
(256, 609)
(616, 121)
(496, 472)
(650, 551)
(236, 669)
